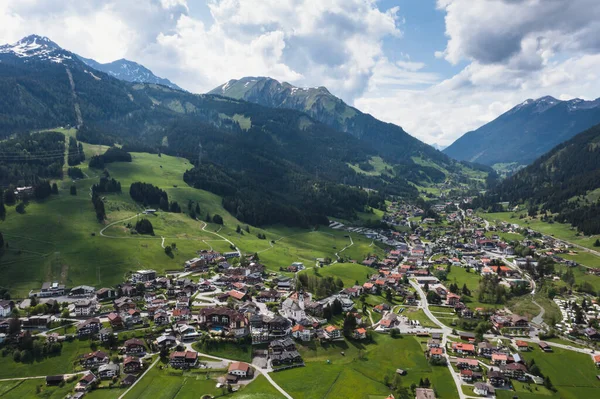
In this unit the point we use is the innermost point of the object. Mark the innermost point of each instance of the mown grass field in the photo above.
(583, 258)
(163, 384)
(356, 376)
(524, 306)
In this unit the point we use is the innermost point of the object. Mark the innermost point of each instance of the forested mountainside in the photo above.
(390, 140)
(271, 157)
(565, 181)
(526, 132)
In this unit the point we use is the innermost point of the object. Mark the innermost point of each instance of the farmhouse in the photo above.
(239, 370)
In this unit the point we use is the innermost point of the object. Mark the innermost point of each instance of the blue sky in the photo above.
(438, 68)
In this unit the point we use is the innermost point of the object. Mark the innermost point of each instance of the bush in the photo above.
(144, 226)
(217, 219)
(20, 208)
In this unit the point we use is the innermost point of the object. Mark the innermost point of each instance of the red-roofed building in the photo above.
(462, 348)
(359, 333)
(436, 353)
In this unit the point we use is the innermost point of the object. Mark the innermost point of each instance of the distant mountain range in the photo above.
(439, 147)
(34, 47)
(527, 131)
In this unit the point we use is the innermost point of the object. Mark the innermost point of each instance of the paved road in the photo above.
(445, 331)
(425, 306)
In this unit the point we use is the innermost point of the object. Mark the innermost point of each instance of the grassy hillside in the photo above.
(59, 238)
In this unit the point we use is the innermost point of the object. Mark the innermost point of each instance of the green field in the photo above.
(583, 258)
(581, 275)
(360, 371)
(37, 388)
(163, 384)
(577, 380)
(558, 230)
(379, 167)
(348, 272)
(169, 384)
(420, 316)
(66, 362)
(460, 276)
(227, 350)
(507, 237)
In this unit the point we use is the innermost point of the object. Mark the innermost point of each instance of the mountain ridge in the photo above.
(36, 47)
(391, 141)
(526, 131)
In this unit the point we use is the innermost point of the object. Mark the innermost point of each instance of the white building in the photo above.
(5, 308)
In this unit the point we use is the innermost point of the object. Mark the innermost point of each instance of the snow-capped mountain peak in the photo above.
(36, 47)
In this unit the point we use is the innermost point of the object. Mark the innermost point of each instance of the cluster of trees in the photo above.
(27, 349)
(75, 152)
(144, 226)
(107, 185)
(455, 290)
(75, 173)
(113, 154)
(320, 286)
(491, 291)
(194, 212)
(149, 194)
(544, 268)
(98, 207)
(28, 158)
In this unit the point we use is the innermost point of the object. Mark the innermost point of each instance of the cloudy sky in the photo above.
(437, 68)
